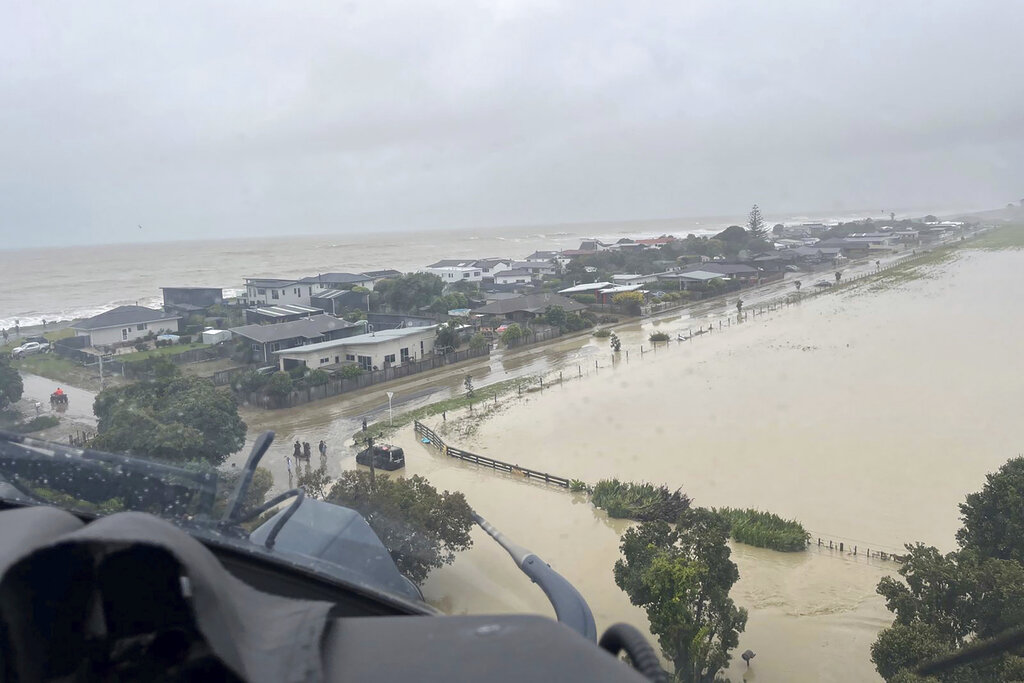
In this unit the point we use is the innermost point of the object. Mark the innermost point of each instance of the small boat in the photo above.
(385, 457)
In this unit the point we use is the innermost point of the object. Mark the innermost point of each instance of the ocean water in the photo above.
(80, 281)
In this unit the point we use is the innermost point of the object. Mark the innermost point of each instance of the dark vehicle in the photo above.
(118, 568)
(385, 457)
(58, 399)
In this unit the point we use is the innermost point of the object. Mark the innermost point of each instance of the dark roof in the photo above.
(307, 328)
(531, 303)
(334, 279)
(387, 272)
(514, 272)
(454, 263)
(196, 289)
(123, 315)
(542, 255)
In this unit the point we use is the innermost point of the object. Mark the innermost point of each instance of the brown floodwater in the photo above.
(867, 415)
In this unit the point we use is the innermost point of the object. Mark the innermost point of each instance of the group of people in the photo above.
(303, 452)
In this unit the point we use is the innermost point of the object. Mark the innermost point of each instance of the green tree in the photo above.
(11, 386)
(554, 316)
(280, 384)
(682, 578)
(316, 482)
(447, 336)
(468, 384)
(512, 334)
(994, 517)
(410, 292)
(477, 341)
(421, 528)
(631, 301)
(174, 418)
(318, 377)
(755, 224)
(615, 342)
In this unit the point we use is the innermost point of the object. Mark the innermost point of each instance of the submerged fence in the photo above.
(525, 472)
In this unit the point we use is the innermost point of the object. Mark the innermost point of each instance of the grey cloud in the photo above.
(249, 118)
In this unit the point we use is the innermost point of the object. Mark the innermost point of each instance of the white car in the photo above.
(28, 349)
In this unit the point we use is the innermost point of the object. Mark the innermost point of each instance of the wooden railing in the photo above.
(438, 443)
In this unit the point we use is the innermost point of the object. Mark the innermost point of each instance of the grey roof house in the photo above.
(265, 339)
(124, 324)
(525, 308)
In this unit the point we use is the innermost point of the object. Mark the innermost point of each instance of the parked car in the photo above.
(28, 349)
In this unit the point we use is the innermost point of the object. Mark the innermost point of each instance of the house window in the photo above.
(390, 358)
(141, 326)
(337, 359)
(273, 294)
(465, 275)
(325, 361)
(349, 356)
(261, 291)
(405, 354)
(276, 346)
(124, 333)
(311, 291)
(421, 349)
(365, 362)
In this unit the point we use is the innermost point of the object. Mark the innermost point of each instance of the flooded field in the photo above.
(867, 415)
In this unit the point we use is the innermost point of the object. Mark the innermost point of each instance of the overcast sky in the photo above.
(219, 119)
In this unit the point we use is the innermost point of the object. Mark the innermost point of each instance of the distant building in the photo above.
(633, 279)
(453, 274)
(337, 281)
(282, 313)
(371, 351)
(514, 277)
(336, 301)
(266, 339)
(525, 308)
(188, 300)
(386, 274)
(262, 290)
(125, 324)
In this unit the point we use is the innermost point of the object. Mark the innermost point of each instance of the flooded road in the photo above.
(868, 415)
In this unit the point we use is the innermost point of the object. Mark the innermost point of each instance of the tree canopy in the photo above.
(756, 227)
(682, 578)
(945, 602)
(421, 528)
(410, 292)
(173, 418)
(11, 386)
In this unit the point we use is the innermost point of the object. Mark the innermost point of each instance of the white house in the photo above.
(515, 276)
(374, 350)
(124, 324)
(633, 279)
(451, 274)
(277, 291)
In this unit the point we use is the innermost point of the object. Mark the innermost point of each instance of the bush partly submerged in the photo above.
(765, 530)
(642, 502)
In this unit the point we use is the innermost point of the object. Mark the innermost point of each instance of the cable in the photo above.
(623, 637)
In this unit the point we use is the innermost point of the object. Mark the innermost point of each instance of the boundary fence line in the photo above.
(438, 443)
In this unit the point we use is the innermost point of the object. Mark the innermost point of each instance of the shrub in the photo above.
(297, 372)
(185, 339)
(36, 424)
(280, 384)
(512, 334)
(585, 298)
(607, 319)
(318, 377)
(603, 333)
(631, 301)
(641, 502)
(251, 380)
(765, 529)
(659, 337)
(350, 371)
(478, 341)
(140, 345)
(578, 485)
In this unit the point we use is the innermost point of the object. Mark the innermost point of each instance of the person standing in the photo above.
(297, 453)
(307, 452)
(288, 464)
(322, 447)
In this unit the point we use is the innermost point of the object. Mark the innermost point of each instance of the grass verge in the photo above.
(163, 351)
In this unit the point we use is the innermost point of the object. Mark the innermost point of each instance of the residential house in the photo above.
(729, 271)
(516, 276)
(585, 288)
(607, 294)
(451, 274)
(372, 350)
(124, 324)
(692, 279)
(542, 256)
(266, 339)
(273, 291)
(282, 313)
(630, 279)
(336, 281)
(335, 301)
(523, 309)
(386, 274)
(188, 300)
(492, 266)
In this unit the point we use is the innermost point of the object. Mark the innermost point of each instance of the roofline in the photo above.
(133, 322)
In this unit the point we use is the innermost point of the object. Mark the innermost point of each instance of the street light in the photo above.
(391, 415)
